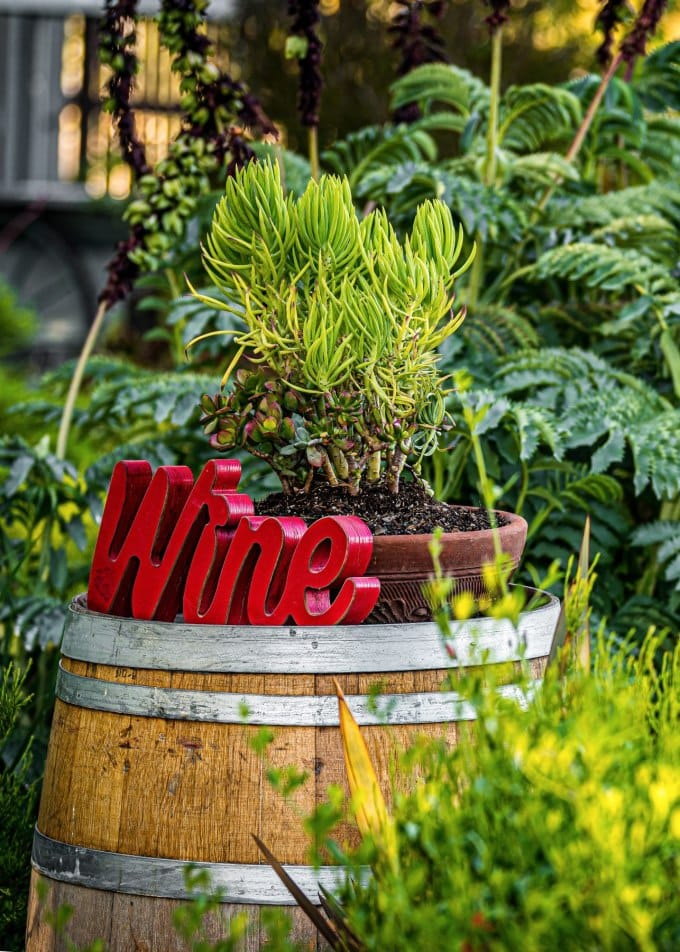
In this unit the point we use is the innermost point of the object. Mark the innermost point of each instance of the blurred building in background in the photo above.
(60, 172)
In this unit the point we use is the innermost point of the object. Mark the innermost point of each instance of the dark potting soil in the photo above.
(411, 511)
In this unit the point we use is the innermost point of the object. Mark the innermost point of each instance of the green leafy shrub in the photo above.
(554, 827)
(18, 802)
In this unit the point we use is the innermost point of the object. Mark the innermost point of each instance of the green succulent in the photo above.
(342, 327)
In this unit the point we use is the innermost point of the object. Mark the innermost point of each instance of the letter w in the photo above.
(150, 529)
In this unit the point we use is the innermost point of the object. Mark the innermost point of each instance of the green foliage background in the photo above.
(567, 367)
(18, 804)
(569, 354)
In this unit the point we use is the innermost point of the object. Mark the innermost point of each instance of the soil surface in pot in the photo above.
(412, 511)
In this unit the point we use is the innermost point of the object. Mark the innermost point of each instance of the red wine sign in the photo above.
(168, 545)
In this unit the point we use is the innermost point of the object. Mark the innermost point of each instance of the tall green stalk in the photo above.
(313, 142)
(77, 380)
(582, 130)
(477, 272)
(177, 337)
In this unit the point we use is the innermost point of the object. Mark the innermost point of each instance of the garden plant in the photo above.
(342, 328)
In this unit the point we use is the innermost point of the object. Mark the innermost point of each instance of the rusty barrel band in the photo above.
(135, 643)
(274, 710)
(166, 878)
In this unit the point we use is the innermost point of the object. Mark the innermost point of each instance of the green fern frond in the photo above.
(403, 186)
(440, 83)
(146, 396)
(603, 268)
(656, 450)
(664, 532)
(494, 214)
(571, 488)
(530, 426)
(592, 486)
(557, 528)
(619, 116)
(632, 159)
(640, 612)
(657, 78)
(554, 368)
(535, 428)
(601, 409)
(672, 570)
(578, 212)
(666, 535)
(544, 370)
(650, 235)
(661, 147)
(541, 168)
(498, 330)
(536, 115)
(440, 121)
(615, 130)
(361, 151)
(100, 367)
(610, 452)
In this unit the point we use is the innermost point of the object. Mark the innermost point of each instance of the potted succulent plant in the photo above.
(334, 379)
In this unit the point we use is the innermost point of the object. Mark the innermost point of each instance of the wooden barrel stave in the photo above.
(139, 923)
(102, 766)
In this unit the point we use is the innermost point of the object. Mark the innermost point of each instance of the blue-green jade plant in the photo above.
(335, 372)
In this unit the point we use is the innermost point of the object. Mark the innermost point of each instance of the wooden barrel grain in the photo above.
(151, 768)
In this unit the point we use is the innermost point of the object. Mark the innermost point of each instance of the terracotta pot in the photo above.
(403, 564)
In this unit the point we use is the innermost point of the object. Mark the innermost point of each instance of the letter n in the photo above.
(240, 580)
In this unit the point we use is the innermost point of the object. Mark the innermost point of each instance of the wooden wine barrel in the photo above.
(151, 768)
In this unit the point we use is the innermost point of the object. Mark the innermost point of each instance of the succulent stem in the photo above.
(328, 470)
(339, 461)
(373, 467)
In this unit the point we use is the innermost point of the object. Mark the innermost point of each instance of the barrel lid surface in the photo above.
(178, 646)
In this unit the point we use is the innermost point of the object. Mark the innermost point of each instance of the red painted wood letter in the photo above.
(241, 582)
(150, 529)
(333, 551)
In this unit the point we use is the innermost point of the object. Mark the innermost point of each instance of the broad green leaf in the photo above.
(19, 470)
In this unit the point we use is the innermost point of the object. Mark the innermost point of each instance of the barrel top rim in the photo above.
(78, 607)
(136, 643)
